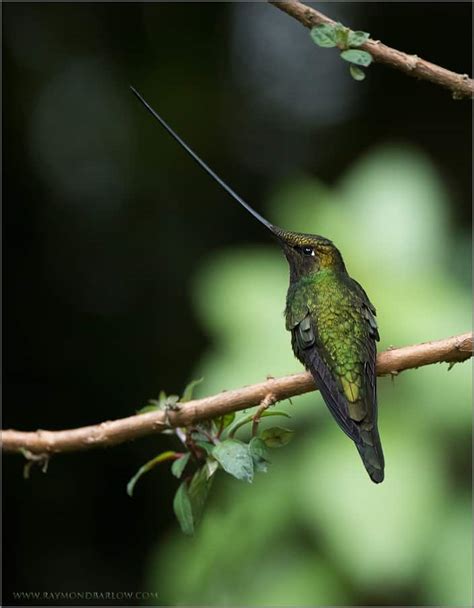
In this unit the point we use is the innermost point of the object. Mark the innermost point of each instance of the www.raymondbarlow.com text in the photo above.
(87, 596)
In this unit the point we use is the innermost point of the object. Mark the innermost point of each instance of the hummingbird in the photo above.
(332, 324)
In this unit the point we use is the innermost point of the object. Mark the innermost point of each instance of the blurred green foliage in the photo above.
(314, 530)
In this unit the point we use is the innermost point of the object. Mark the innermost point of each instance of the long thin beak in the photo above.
(203, 165)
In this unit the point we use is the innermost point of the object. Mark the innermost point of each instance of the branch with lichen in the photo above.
(450, 350)
(460, 85)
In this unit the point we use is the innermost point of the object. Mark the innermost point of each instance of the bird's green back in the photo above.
(337, 313)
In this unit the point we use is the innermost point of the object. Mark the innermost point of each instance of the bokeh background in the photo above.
(127, 271)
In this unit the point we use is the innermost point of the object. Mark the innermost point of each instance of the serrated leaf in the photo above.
(259, 453)
(276, 437)
(357, 38)
(189, 390)
(183, 510)
(198, 491)
(358, 57)
(147, 467)
(179, 465)
(324, 35)
(234, 457)
(356, 72)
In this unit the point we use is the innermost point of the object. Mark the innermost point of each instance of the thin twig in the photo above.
(105, 434)
(267, 401)
(460, 85)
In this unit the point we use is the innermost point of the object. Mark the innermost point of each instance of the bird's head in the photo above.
(308, 253)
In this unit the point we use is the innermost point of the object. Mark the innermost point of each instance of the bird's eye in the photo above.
(308, 251)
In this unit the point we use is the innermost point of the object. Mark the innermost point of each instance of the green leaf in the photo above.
(357, 38)
(342, 36)
(258, 449)
(147, 408)
(324, 35)
(179, 465)
(259, 453)
(163, 402)
(356, 72)
(183, 510)
(276, 437)
(267, 413)
(190, 498)
(231, 430)
(224, 421)
(206, 446)
(198, 436)
(211, 467)
(234, 457)
(358, 57)
(249, 418)
(189, 390)
(147, 467)
(170, 402)
(198, 491)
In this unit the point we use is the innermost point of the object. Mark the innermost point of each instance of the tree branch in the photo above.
(450, 350)
(460, 84)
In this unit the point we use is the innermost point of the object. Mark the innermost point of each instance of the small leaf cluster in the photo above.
(170, 402)
(329, 35)
(209, 446)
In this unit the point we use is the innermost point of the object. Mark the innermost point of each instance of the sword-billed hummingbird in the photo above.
(332, 324)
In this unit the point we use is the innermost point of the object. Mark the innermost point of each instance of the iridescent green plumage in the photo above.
(333, 328)
(332, 324)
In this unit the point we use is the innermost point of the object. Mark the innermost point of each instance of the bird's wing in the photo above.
(369, 349)
(368, 309)
(308, 347)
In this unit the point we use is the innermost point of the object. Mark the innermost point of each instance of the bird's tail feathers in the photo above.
(370, 450)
